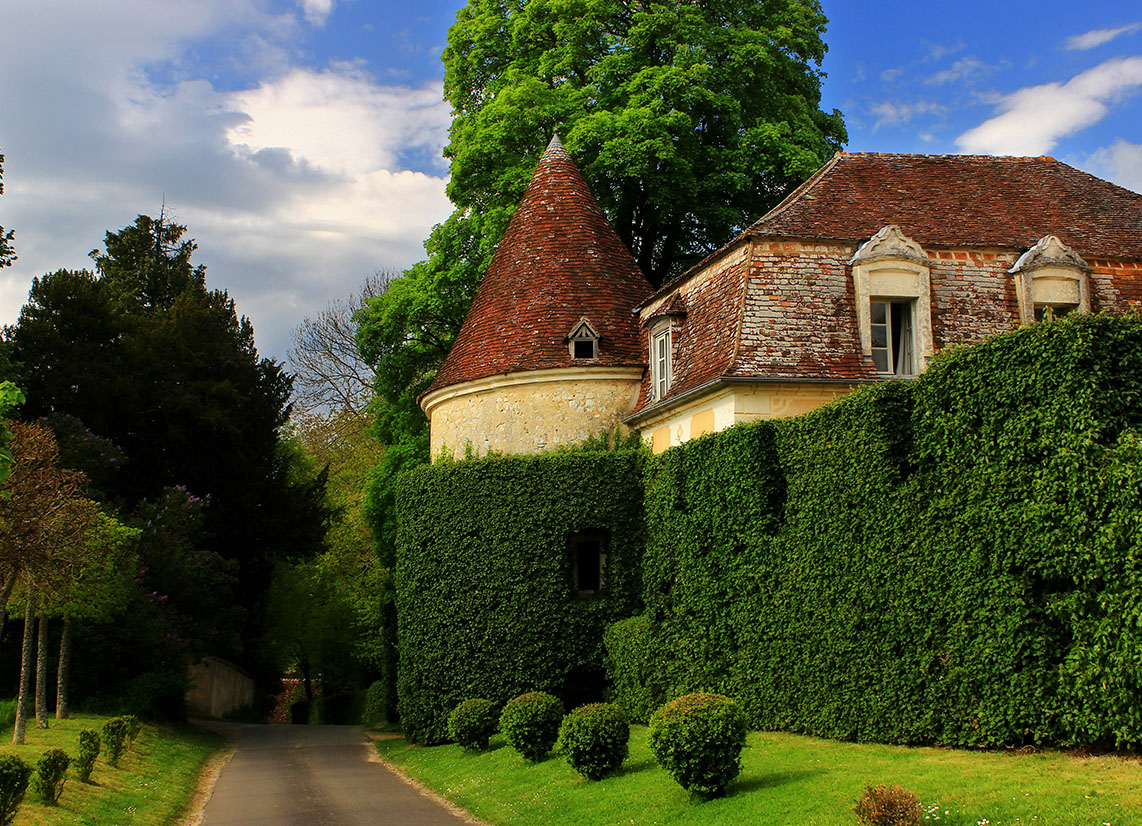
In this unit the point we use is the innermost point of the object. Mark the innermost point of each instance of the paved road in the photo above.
(314, 776)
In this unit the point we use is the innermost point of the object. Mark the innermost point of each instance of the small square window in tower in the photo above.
(588, 552)
(583, 341)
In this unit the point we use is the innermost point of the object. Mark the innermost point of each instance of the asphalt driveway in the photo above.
(315, 776)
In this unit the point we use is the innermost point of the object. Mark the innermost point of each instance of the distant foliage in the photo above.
(530, 723)
(594, 739)
(699, 739)
(484, 582)
(376, 702)
(88, 753)
(950, 560)
(889, 806)
(50, 775)
(14, 777)
(472, 723)
(114, 737)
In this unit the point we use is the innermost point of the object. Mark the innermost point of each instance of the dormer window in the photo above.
(1051, 281)
(583, 341)
(892, 285)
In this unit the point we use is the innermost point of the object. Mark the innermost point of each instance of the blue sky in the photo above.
(300, 140)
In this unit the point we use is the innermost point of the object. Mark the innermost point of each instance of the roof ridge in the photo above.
(800, 191)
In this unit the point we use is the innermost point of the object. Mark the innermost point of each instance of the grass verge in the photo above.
(151, 786)
(785, 779)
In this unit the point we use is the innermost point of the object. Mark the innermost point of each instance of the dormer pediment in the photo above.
(1049, 251)
(889, 243)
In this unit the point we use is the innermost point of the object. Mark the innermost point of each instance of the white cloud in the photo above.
(963, 69)
(1033, 119)
(1097, 37)
(1120, 162)
(317, 11)
(294, 188)
(893, 113)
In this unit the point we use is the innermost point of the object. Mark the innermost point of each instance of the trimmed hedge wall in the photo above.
(484, 577)
(952, 560)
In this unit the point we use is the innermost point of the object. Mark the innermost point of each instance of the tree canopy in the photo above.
(164, 370)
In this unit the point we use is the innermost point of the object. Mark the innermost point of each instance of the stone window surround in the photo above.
(892, 266)
(582, 331)
(1050, 273)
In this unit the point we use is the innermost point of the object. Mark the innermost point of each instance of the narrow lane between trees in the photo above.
(315, 776)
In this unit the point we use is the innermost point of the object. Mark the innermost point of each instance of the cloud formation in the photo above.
(296, 184)
(1121, 161)
(1097, 37)
(317, 11)
(1032, 120)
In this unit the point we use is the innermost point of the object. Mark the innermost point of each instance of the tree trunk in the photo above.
(42, 674)
(64, 673)
(26, 665)
(5, 594)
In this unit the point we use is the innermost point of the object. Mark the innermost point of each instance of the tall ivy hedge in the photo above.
(485, 606)
(953, 560)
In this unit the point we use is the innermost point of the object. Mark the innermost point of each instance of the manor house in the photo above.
(861, 274)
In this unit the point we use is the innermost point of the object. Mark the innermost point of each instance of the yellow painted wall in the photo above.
(737, 403)
(530, 417)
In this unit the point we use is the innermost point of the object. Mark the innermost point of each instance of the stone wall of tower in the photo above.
(531, 412)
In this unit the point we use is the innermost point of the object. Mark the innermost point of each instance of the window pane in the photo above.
(879, 312)
(880, 359)
(584, 349)
(879, 335)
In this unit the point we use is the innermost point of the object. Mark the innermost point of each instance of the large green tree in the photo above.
(144, 354)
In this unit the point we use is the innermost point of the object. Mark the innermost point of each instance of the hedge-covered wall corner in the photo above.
(486, 604)
(954, 560)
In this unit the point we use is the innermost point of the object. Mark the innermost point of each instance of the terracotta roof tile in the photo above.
(961, 200)
(559, 262)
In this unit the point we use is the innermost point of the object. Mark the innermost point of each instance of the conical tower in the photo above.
(550, 351)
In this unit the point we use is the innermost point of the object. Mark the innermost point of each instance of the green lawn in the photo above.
(785, 780)
(152, 784)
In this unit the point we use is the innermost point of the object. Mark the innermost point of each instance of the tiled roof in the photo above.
(559, 262)
(961, 201)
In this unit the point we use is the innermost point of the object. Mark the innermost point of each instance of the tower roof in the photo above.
(559, 263)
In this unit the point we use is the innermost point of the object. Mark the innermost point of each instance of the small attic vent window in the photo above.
(583, 341)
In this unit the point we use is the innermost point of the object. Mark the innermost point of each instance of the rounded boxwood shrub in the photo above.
(88, 752)
(472, 722)
(14, 776)
(50, 775)
(530, 723)
(889, 806)
(594, 739)
(698, 739)
(114, 738)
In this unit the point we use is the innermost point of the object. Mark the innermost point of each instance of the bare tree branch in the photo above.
(329, 373)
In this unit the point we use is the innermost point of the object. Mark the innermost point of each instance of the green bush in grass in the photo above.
(88, 753)
(698, 739)
(115, 732)
(472, 723)
(594, 739)
(133, 729)
(50, 775)
(14, 776)
(530, 723)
